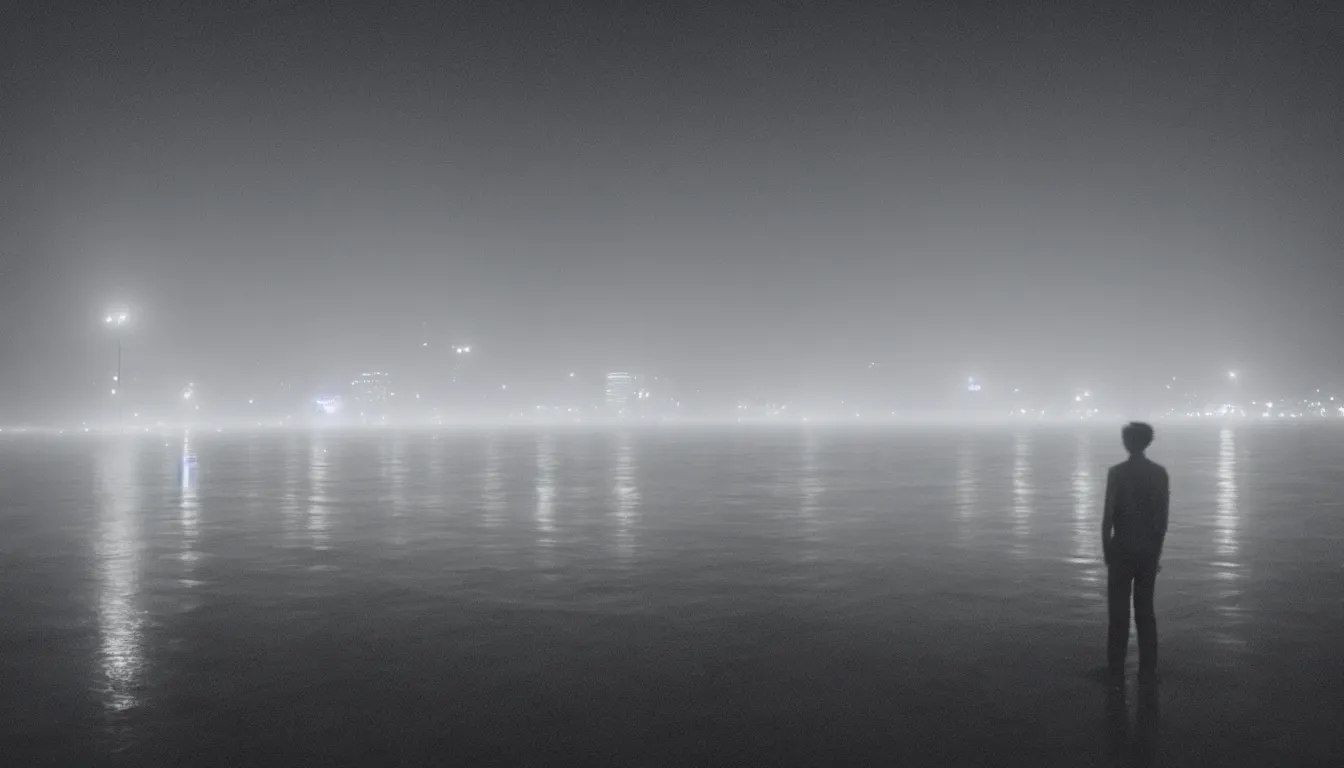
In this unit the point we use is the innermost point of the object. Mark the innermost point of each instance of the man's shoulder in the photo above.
(1143, 467)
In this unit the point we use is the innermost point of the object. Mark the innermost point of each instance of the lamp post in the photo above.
(116, 320)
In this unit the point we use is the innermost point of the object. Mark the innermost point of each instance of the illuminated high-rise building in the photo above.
(620, 393)
(372, 393)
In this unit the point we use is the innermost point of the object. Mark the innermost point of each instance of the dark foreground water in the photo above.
(663, 598)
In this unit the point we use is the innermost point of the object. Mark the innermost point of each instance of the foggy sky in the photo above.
(739, 193)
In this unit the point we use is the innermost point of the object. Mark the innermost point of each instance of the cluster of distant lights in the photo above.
(332, 405)
(459, 350)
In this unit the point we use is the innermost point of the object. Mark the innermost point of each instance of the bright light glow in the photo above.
(249, 401)
(114, 391)
(186, 395)
(1232, 375)
(1077, 398)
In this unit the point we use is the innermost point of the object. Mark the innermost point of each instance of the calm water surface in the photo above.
(682, 597)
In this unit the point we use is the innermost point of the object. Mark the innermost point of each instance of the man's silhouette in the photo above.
(1133, 530)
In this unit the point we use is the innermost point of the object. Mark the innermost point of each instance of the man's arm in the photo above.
(1163, 504)
(1108, 517)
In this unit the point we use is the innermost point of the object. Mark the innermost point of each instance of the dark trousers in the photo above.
(1140, 574)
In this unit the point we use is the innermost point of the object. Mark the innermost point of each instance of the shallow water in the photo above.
(680, 597)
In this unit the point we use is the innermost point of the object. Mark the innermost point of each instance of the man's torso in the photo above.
(1140, 499)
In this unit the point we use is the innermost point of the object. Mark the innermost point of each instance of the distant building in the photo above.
(620, 393)
(372, 393)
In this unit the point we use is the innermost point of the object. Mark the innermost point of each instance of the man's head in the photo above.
(1137, 436)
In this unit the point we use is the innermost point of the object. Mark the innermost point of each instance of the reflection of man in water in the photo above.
(1133, 529)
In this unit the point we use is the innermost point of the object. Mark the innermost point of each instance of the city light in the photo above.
(1232, 375)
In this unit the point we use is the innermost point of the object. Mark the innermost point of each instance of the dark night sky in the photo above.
(732, 192)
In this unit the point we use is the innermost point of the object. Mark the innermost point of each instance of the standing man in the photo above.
(1133, 530)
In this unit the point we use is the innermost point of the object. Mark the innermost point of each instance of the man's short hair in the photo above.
(1137, 436)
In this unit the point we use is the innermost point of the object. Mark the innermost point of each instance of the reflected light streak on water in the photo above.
(120, 620)
(967, 489)
(291, 510)
(544, 517)
(319, 512)
(1225, 521)
(399, 474)
(810, 489)
(492, 485)
(392, 452)
(188, 513)
(626, 494)
(1226, 518)
(1086, 520)
(1023, 492)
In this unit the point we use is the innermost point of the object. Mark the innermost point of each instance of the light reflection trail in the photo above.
(967, 490)
(626, 493)
(1023, 492)
(291, 510)
(319, 510)
(121, 621)
(1086, 520)
(492, 485)
(544, 517)
(188, 512)
(810, 490)
(395, 469)
(1225, 521)
(1228, 570)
